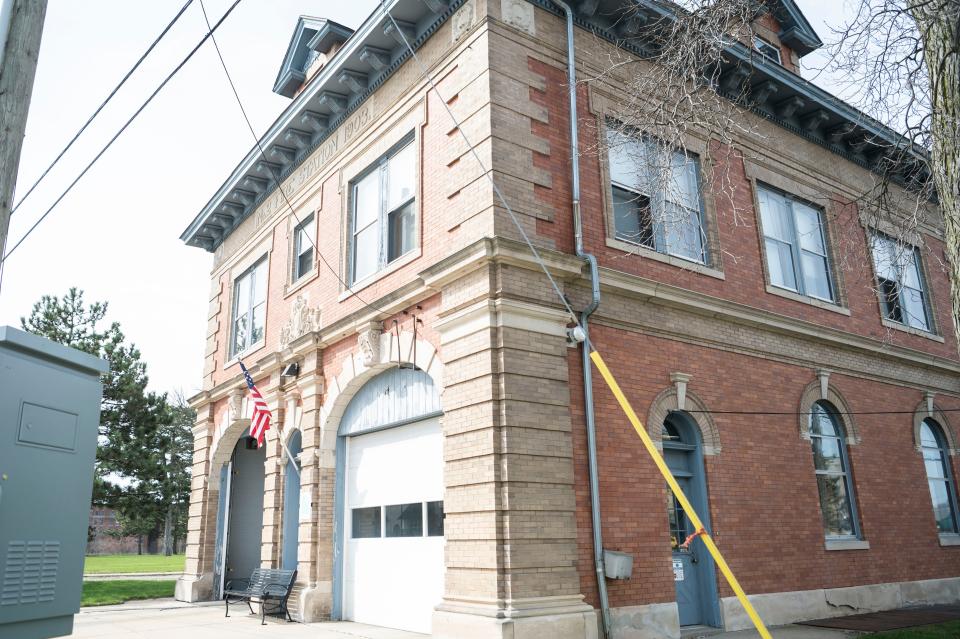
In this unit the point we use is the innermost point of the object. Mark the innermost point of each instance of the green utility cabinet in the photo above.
(49, 413)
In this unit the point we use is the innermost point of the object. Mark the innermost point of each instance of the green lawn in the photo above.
(103, 593)
(949, 630)
(99, 564)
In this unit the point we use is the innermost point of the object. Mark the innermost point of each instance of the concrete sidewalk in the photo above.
(166, 618)
(792, 631)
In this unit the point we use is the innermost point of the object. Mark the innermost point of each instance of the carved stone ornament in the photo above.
(369, 342)
(235, 405)
(303, 320)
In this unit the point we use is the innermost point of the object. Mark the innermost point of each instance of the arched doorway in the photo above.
(693, 567)
(240, 514)
(291, 503)
(389, 539)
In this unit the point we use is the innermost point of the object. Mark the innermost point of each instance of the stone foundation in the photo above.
(787, 607)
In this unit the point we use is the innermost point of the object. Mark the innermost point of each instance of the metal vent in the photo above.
(30, 575)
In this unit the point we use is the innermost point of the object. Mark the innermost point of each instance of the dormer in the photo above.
(314, 42)
(782, 35)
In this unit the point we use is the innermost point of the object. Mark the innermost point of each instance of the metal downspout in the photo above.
(584, 320)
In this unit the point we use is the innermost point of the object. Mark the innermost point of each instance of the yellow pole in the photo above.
(675, 487)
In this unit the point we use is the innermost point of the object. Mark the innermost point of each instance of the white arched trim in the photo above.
(356, 373)
(921, 413)
(813, 393)
(694, 407)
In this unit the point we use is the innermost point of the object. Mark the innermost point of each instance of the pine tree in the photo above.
(145, 445)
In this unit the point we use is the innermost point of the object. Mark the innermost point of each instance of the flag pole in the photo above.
(283, 444)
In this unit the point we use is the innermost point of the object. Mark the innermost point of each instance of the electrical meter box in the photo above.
(49, 416)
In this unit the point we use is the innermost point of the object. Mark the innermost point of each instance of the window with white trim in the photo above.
(249, 307)
(939, 478)
(656, 196)
(303, 236)
(383, 212)
(795, 244)
(766, 49)
(834, 484)
(903, 296)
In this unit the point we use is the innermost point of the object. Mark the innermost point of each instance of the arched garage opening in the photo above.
(240, 514)
(389, 540)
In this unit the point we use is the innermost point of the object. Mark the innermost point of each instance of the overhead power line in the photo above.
(503, 201)
(473, 151)
(276, 178)
(103, 104)
(425, 75)
(122, 129)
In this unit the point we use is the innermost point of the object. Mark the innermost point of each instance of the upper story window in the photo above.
(939, 478)
(766, 49)
(383, 219)
(303, 236)
(656, 197)
(902, 293)
(795, 245)
(837, 503)
(249, 307)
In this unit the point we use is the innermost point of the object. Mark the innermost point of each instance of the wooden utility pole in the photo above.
(18, 65)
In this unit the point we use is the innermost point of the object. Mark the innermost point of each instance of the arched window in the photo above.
(837, 502)
(934, 449)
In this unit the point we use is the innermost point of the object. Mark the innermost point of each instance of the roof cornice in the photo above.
(774, 93)
(359, 67)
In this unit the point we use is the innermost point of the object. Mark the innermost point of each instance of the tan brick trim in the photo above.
(921, 413)
(814, 393)
(696, 410)
(634, 286)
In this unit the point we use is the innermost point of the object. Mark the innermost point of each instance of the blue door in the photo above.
(692, 567)
(685, 570)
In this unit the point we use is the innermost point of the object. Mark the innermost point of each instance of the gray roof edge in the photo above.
(303, 22)
(23, 341)
(308, 93)
(801, 23)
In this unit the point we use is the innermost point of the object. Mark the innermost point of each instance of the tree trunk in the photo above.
(941, 32)
(168, 532)
(139, 544)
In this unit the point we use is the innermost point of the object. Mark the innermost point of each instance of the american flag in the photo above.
(260, 420)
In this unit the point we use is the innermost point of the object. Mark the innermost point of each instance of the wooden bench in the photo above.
(267, 586)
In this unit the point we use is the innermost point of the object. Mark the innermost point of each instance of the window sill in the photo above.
(911, 330)
(356, 287)
(246, 353)
(679, 262)
(847, 544)
(804, 299)
(949, 539)
(305, 279)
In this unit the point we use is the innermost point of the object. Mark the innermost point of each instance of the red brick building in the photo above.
(102, 538)
(792, 354)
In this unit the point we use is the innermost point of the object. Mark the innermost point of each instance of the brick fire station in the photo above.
(453, 469)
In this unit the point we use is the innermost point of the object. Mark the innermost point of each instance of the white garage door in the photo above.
(393, 527)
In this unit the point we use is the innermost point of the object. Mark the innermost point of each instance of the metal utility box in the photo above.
(617, 565)
(49, 414)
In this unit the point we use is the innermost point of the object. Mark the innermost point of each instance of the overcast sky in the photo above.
(116, 235)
